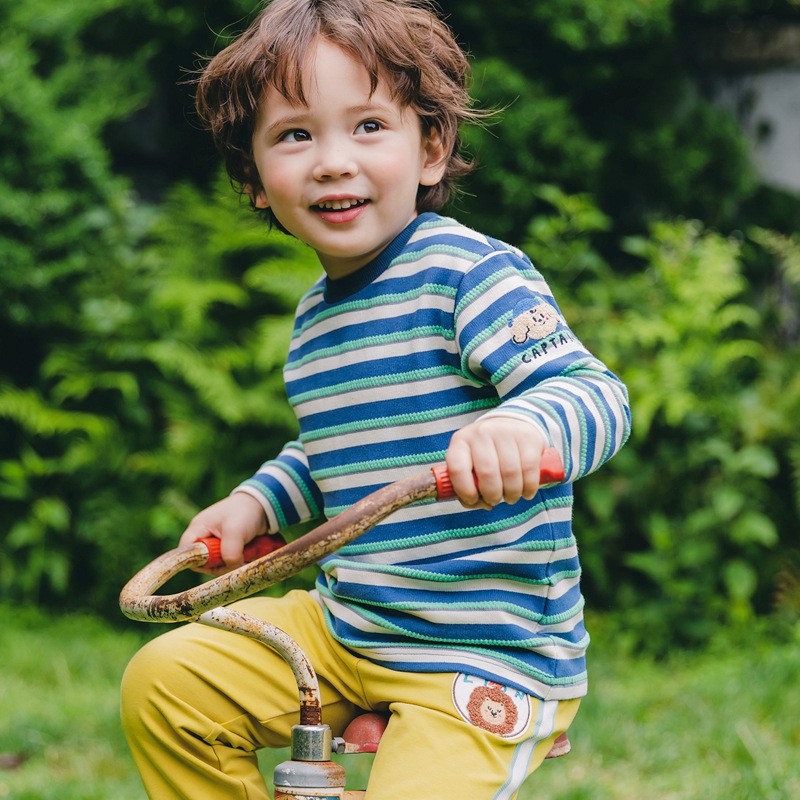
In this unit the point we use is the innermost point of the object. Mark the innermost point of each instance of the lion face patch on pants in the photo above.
(499, 709)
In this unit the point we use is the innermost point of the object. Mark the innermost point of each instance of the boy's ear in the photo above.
(257, 195)
(435, 163)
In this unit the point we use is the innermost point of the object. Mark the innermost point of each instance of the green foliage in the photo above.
(601, 98)
(537, 138)
(585, 24)
(569, 25)
(680, 532)
(143, 339)
(60, 202)
(168, 393)
(59, 707)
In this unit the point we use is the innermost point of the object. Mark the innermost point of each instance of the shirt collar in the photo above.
(341, 288)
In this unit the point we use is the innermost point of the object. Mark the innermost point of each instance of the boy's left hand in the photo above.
(504, 455)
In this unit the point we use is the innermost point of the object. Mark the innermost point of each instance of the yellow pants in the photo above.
(198, 702)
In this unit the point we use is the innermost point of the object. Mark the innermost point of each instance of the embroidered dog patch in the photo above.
(496, 708)
(533, 322)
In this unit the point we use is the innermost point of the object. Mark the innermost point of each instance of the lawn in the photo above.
(724, 723)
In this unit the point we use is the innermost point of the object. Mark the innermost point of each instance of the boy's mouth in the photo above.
(340, 210)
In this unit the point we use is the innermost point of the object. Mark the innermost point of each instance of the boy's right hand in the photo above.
(235, 521)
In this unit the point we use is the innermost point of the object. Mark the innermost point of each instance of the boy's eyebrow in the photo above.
(367, 108)
(287, 121)
(293, 120)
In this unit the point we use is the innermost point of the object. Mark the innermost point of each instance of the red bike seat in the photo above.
(363, 735)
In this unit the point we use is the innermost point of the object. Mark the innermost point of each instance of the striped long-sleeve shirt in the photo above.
(445, 326)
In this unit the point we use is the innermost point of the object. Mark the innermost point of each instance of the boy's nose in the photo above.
(334, 162)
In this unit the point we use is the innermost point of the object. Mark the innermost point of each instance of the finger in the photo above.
(487, 469)
(460, 467)
(194, 531)
(510, 469)
(482, 504)
(530, 462)
(232, 551)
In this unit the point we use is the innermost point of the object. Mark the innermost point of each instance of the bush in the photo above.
(683, 531)
(165, 394)
(143, 380)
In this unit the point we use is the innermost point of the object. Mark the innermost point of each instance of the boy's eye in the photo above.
(296, 135)
(368, 126)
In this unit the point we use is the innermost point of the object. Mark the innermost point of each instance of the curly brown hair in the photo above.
(402, 42)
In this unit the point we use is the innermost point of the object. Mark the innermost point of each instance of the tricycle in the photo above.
(310, 772)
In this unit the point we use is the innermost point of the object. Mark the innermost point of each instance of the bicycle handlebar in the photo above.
(257, 548)
(269, 561)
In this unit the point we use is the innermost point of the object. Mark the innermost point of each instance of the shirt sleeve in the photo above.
(285, 489)
(511, 334)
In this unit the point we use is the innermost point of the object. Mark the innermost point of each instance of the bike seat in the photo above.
(363, 735)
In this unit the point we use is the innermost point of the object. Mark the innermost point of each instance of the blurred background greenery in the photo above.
(145, 316)
(145, 313)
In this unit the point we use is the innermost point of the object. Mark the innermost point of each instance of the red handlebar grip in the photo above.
(253, 550)
(551, 470)
(444, 486)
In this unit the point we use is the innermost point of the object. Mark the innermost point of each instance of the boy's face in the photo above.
(342, 173)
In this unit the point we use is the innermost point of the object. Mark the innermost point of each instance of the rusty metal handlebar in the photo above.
(138, 602)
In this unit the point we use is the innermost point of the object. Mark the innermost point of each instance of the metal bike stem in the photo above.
(283, 644)
(309, 773)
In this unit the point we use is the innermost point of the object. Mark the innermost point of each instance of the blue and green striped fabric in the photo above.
(445, 326)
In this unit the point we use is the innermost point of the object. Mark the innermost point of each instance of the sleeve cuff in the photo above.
(511, 413)
(273, 525)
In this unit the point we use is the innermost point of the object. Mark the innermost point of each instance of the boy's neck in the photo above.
(339, 287)
(339, 269)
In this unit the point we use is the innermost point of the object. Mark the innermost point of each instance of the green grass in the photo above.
(719, 724)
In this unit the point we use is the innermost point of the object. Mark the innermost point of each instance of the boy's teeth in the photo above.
(338, 205)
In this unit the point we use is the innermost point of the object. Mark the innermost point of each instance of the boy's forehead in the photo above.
(327, 61)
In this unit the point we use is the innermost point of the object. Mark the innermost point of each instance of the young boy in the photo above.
(424, 341)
